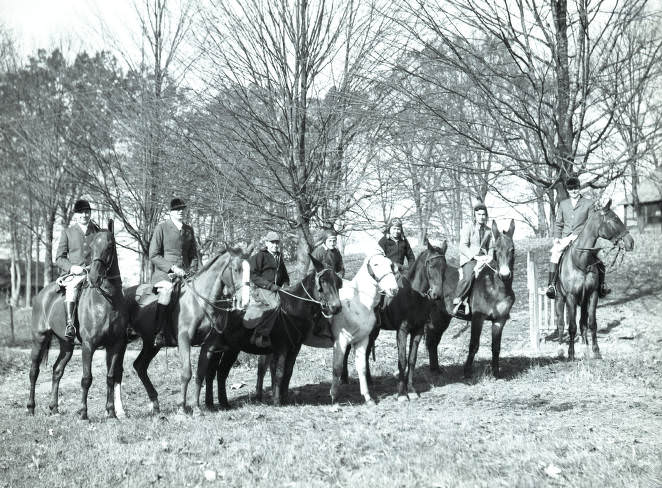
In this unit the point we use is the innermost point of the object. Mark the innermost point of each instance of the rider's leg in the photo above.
(70, 331)
(557, 249)
(262, 334)
(164, 290)
(462, 289)
(71, 285)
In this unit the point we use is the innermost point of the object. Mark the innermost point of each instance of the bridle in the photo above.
(616, 241)
(378, 280)
(322, 304)
(427, 275)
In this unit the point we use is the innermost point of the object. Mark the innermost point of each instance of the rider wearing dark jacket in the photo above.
(395, 245)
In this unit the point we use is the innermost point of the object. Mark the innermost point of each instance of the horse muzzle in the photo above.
(627, 242)
(331, 309)
(504, 273)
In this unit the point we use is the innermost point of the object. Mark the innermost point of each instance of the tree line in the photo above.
(298, 115)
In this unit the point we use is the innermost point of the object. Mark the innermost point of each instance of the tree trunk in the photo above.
(48, 250)
(15, 266)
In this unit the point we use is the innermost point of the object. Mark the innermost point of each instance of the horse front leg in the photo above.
(86, 380)
(361, 359)
(497, 329)
(224, 365)
(140, 365)
(212, 370)
(434, 331)
(200, 376)
(414, 342)
(114, 358)
(40, 345)
(583, 321)
(290, 359)
(277, 378)
(402, 362)
(571, 318)
(559, 307)
(66, 350)
(339, 367)
(262, 362)
(593, 324)
(118, 375)
(184, 348)
(474, 343)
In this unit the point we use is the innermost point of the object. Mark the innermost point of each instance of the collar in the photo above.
(179, 226)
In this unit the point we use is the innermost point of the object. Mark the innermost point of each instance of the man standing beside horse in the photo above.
(174, 254)
(73, 254)
(571, 217)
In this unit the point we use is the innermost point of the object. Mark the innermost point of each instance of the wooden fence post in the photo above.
(532, 285)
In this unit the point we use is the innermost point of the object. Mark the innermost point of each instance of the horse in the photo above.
(578, 275)
(354, 323)
(193, 318)
(102, 316)
(421, 292)
(491, 297)
(300, 307)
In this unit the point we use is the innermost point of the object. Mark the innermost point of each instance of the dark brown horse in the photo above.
(492, 297)
(578, 275)
(421, 292)
(102, 320)
(300, 307)
(193, 316)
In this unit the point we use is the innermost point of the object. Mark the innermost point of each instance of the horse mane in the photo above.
(211, 262)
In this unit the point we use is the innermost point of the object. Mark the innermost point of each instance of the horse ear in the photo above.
(443, 247)
(111, 226)
(608, 206)
(318, 266)
(426, 242)
(495, 230)
(249, 250)
(511, 229)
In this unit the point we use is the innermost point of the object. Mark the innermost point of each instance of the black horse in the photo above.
(102, 317)
(300, 307)
(578, 275)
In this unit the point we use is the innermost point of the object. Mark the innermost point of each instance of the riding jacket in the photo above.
(398, 250)
(172, 247)
(268, 271)
(330, 258)
(470, 244)
(569, 219)
(73, 248)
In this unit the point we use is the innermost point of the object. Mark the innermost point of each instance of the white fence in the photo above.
(541, 308)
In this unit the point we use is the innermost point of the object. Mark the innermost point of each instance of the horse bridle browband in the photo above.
(374, 276)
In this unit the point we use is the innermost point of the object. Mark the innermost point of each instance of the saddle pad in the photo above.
(266, 317)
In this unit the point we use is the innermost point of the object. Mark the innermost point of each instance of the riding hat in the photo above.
(396, 222)
(177, 204)
(82, 206)
(572, 183)
(480, 206)
(272, 237)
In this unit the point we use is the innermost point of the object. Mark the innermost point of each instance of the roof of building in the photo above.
(650, 188)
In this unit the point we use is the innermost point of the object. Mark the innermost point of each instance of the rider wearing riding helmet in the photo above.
(476, 248)
(73, 254)
(395, 245)
(174, 254)
(571, 216)
(327, 253)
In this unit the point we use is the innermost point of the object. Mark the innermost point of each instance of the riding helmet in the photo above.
(177, 204)
(82, 206)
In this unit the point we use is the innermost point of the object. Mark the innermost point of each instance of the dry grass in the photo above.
(547, 423)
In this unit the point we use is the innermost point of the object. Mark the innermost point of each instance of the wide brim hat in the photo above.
(271, 236)
(177, 204)
(82, 206)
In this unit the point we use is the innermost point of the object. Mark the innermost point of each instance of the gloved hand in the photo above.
(76, 270)
(177, 271)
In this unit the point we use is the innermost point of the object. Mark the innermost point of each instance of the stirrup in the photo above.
(70, 332)
(551, 292)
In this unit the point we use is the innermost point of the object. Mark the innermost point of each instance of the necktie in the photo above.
(481, 234)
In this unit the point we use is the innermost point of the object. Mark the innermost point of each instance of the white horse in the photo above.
(353, 324)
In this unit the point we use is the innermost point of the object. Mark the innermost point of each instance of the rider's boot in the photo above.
(160, 321)
(460, 309)
(70, 331)
(551, 284)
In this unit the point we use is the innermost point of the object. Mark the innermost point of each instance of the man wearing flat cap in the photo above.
(571, 216)
(174, 254)
(268, 275)
(327, 253)
(476, 249)
(73, 254)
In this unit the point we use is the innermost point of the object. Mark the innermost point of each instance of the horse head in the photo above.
(427, 274)
(613, 229)
(235, 275)
(382, 270)
(103, 256)
(327, 284)
(504, 250)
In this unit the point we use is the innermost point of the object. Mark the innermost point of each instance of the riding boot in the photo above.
(551, 284)
(70, 331)
(160, 321)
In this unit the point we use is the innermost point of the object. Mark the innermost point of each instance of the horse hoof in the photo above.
(211, 408)
(436, 370)
(121, 414)
(53, 410)
(370, 403)
(403, 398)
(597, 355)
(82, 415)
(110, 414)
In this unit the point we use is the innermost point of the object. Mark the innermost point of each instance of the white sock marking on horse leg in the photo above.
(119, 408)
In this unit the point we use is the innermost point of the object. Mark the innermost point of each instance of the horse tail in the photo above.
(46, 346)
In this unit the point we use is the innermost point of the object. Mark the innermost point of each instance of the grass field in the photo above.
(548, 422)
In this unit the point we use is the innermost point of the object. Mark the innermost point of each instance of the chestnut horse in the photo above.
(578, 275)
(102, 319)
(193, 317)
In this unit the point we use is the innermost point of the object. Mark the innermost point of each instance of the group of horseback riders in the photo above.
(174, 254)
